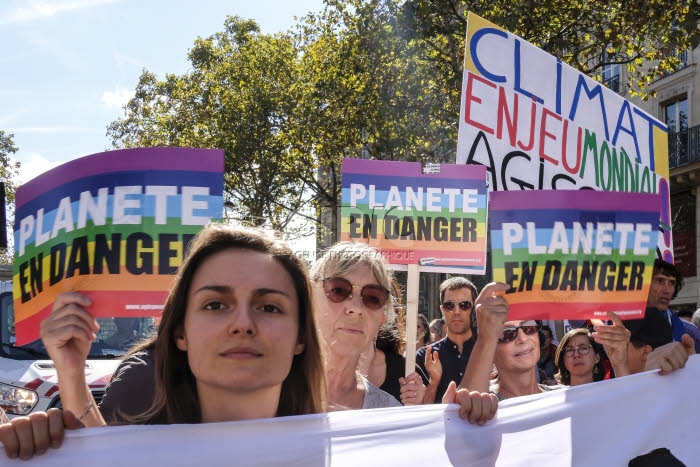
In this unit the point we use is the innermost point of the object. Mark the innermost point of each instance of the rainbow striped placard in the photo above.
(112, 226)
(574, 254)
(430, 219)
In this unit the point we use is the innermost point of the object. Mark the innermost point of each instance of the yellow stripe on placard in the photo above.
(345, 226)
(660, 152)
(174, 261)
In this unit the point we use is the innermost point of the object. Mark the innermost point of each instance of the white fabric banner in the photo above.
(602, 424)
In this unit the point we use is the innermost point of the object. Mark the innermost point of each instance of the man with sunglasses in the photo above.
(446, 359)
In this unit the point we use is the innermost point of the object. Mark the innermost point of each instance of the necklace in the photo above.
(508, 393)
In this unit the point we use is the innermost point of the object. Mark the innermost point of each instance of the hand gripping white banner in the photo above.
(601, 424)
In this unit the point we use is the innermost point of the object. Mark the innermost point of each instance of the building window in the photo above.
(675, 116)
(611, 73)
(683, 57)
(683, 209)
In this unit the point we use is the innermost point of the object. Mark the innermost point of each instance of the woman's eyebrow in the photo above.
(266, 291)
(225, 289)
(214, 288)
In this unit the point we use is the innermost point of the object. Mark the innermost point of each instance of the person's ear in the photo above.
(646, 350)
(300, 346)
(180, 338)
(597, 358)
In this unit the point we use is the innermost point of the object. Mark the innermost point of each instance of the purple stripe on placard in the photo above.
(144, 159)
(574, 199)
(414, 169)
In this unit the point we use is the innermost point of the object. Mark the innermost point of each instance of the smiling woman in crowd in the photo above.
(516, 357)
(513, 346)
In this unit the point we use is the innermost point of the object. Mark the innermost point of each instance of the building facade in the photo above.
(677, 103)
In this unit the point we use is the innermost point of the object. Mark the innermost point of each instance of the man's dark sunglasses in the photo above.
(464, 305)
(511, 332)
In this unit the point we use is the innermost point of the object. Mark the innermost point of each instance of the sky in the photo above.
(68, 66)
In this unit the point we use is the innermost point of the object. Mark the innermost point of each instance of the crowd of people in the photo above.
(247, 332)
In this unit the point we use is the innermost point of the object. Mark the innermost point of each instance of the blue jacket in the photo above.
(681, 327)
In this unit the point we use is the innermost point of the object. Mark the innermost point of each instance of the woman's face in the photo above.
(577, 364)
(241, 324)
(547, 341)
(421, 331)
(348, 327)
(519, 355)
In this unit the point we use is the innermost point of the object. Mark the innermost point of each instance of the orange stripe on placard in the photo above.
(478, 245)
(583, 311)
(564, 297)
(124, 282)
(105, 304)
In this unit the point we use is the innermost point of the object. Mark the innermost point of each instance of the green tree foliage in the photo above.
(9, 170)
(587, 35)
(368, 78)
(236, 98)
(383, 77)
(374, 92)
(365, 90)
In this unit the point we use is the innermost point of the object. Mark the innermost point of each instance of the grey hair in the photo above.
(696, 318)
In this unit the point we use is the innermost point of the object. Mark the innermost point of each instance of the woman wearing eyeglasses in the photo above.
(352, 299)
(578, 358)
(513, 346)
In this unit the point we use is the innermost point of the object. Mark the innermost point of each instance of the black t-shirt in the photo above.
(132, 389)
(395, 368)
(453, 363)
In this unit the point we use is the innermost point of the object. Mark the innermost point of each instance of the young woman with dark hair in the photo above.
(237, 341)
(579, 359)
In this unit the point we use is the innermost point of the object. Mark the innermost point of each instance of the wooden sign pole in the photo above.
(411, 316)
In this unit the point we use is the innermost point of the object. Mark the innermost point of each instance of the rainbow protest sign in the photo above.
(537, 123)
(431, 219)
(574, 254)
(112, 226)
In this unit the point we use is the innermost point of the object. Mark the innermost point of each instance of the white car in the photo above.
(28, 381)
